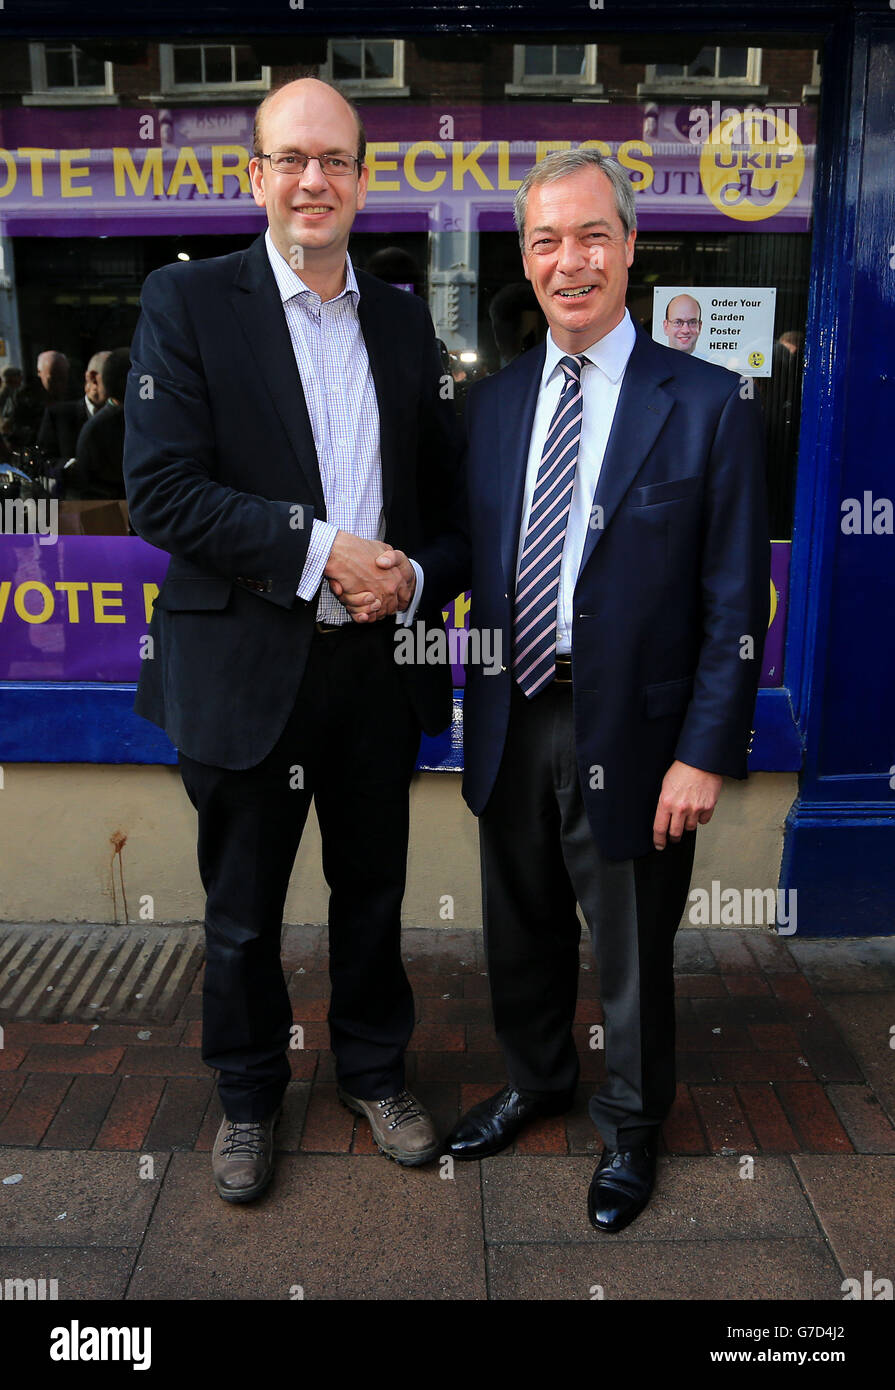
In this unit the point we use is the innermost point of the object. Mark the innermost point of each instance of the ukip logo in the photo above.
(752, 164)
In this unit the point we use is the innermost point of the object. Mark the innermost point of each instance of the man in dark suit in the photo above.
(64, 420)
(620, 549)
(98, 468)
(288, 444)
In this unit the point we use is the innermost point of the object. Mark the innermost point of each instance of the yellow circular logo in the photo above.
(756, 359)
(752, 165)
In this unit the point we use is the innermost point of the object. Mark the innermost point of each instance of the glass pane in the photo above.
(669, 69)
(218, 65)
(347, 61)
(703, 64)
(570, 60)
(248, 69)
(90, 71)
(379, 60)
(733, 62)
(538, 59)
(60, 66)
(188, 64)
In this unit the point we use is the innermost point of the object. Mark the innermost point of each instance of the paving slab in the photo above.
(863, 1118)
(534, 1199)
(854, 1198)
(350, 1227)
(81, 1272)
(846, 965)
(865, 1021)
(717, 1270)
(76, 1199)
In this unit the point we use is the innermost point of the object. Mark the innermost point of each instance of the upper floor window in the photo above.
(366, 65)
(545, 68)
(64, 70)
(198, 67)
(717, 69)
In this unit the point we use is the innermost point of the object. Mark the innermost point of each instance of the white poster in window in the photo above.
(733, 327)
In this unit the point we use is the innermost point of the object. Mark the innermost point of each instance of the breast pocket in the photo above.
(671, 491)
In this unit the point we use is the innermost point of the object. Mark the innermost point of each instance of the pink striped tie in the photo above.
(537, 585)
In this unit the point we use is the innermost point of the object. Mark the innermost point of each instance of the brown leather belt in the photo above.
(563, 670)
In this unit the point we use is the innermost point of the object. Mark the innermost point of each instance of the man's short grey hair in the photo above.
(565, 162)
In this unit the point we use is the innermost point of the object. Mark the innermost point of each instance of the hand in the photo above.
(369, 578)
(688, 798)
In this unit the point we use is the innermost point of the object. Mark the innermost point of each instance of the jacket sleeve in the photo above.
(174, 499)
(735, 580)
(445, 553)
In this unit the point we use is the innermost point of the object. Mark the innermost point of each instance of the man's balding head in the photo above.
(52, 368)
(300, 86)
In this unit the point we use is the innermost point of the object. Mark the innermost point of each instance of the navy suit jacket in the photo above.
(671, 586)
(221, 470)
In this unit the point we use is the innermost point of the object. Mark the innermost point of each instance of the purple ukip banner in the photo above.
(107, 171)
(78, 608)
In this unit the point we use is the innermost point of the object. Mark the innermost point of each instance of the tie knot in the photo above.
(572, 367)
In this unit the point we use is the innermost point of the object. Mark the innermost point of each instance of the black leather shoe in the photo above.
(494, 1123)
(621, 1186)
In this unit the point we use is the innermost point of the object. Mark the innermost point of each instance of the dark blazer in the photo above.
(60, 427)
(221, 471)
(98, 470)
(678, 575)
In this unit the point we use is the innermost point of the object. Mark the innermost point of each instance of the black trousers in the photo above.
(538, 858)
(350, 743)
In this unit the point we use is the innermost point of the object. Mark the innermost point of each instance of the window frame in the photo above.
(393, 86)
(547, 85)
(169, 88)
(43, 95)
(675, 87)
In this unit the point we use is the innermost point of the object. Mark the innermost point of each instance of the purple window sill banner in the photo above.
(78, 608)
(118, 171)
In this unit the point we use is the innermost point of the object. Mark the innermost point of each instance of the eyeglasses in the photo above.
(291, 162)
(685, 323)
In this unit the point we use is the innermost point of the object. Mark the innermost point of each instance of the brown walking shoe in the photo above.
(242, 1158)
(402, 1127)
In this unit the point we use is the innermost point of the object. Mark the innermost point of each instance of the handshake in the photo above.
(369, 578)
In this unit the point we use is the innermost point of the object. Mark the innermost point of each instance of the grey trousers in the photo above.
(538, 857)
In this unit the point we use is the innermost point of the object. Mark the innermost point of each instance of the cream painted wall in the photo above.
(60, 824)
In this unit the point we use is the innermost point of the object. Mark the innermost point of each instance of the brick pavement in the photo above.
(784, 1059)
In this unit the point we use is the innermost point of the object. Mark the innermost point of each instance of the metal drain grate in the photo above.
(125, 974)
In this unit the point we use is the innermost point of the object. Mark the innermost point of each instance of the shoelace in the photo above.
(402, 1106)
(248, 1142)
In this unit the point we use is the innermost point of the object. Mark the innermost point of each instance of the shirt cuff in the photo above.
(407, 617)
(323, 534)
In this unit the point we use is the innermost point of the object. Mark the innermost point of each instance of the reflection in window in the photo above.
(354, 60)
(215, 65)
(554, 60)
(68, 67)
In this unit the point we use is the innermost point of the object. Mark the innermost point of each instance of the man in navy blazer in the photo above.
(287, 444)
(621, 554)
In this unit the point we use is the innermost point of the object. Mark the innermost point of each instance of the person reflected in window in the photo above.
(98, 469)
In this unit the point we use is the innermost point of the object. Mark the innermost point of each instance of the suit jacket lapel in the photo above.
(517, 413)
(257, 304)
(640, 413)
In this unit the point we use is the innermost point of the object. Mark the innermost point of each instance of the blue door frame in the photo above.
(832, 718)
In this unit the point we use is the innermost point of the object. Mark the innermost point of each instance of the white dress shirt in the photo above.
(332, 361)
(601, 380)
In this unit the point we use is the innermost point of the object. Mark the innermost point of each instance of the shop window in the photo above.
(540, 69)
(366, 66)
(716, 69)
(64, 72)
(211, 67)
